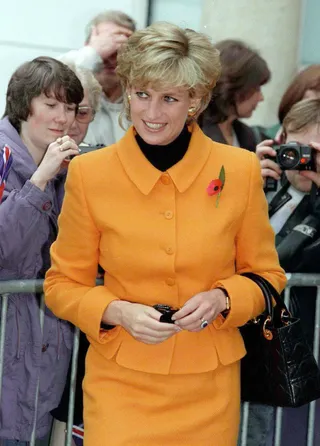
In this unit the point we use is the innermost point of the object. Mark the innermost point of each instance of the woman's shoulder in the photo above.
(99, 160)
(99, 169)
(239, 164)
(107, 158)
(238, 169)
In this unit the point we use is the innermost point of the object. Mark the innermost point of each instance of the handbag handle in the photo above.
(269, 292)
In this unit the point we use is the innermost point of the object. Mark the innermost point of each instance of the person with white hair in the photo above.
(89, 106)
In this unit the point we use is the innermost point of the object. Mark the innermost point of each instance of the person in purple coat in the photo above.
(42, 100)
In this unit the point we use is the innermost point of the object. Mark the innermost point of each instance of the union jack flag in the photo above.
(5, 165)
(77, 434)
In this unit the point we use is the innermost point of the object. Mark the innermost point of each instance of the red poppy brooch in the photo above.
(215, 187)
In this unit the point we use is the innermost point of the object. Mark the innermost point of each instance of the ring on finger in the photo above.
(204, 323)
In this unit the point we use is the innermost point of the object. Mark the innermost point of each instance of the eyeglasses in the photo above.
(85, 114)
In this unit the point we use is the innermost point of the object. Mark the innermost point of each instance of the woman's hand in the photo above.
(269, 168)
(314, 176)
(141, 321)
(204, 306)
(56, 154)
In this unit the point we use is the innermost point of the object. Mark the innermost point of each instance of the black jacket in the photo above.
(248, 137)
(298, 242)
(298, 246)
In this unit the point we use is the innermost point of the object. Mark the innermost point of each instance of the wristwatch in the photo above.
(227, 301)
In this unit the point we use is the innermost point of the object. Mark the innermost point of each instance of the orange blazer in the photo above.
(161, 239)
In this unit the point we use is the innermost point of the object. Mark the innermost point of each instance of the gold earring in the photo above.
(129, 97)
(192, 111)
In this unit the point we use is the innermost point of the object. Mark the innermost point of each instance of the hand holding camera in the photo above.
(314, 173)
(290, 156)
(266, 155)
(57, 156)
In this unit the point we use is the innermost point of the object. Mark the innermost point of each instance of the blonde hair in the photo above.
(117, 17)
(165, 56)
(302, 115)
(88, 82)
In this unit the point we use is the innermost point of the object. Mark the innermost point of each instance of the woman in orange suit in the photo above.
(174, 219)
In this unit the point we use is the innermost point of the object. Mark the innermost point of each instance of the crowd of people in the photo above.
(182, 200)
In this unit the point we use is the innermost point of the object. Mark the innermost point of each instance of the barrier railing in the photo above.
(36, 286)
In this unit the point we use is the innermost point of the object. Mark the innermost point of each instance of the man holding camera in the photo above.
(291, 173)
(294, 205)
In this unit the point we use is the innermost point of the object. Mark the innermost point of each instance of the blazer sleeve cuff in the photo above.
(36, 197)
(246, 301)
(90, 313)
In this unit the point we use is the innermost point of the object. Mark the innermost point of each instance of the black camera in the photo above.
(86, 148)
(167, 312)
(294, 156)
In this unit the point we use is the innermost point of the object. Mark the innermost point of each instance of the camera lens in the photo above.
(289, 158)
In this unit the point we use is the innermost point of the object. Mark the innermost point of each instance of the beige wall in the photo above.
(50, 29)
(270, 26)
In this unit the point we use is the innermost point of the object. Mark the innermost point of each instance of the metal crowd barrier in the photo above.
(36, 286)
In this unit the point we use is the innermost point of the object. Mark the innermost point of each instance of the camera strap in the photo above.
(280, 199)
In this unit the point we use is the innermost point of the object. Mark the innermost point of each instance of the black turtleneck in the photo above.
(164, 157)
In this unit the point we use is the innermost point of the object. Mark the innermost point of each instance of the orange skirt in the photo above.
(123, 407)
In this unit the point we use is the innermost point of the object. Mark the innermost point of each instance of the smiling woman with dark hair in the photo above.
(42, 100)
(236, 95)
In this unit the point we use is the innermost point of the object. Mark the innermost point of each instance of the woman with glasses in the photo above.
(88, 106)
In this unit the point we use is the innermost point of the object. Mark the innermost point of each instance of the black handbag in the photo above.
(279, 368)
